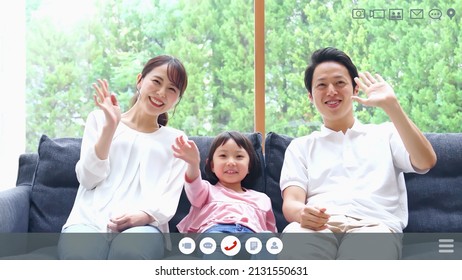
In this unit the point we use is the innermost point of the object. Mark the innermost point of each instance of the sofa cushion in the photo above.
(55, 183)
(204, 143)
(27, 165)
(435, 198)
(275, 148)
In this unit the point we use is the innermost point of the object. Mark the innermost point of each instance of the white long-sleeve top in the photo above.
(140, 173)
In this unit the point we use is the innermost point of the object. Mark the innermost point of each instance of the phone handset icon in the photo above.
(229, 248)
(230, 245)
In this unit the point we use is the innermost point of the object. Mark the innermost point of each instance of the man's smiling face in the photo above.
(332, 89)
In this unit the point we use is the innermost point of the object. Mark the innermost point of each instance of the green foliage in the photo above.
(421, 59)
(215, 40)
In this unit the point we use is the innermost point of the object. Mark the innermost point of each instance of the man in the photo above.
(348, 177)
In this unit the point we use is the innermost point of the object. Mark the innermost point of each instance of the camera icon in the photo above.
(358, 13)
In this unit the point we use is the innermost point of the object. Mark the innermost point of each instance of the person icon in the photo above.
(274, 245)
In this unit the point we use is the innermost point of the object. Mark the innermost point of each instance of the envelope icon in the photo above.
(416, 14)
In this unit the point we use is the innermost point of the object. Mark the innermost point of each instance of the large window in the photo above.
(12, 73)
(113, 38)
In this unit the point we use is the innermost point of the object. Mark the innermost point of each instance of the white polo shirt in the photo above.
(358, 174)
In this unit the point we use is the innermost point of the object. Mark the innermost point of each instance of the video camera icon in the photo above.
(377, 14)
(187, 245)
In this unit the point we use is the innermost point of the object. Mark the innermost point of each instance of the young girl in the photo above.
(129, 179)
(225, 204)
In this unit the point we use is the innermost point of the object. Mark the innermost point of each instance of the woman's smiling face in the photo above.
(157, 91)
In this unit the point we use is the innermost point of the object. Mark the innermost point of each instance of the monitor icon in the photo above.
(395, 14)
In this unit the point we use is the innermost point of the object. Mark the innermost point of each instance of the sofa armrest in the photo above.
(14, 209)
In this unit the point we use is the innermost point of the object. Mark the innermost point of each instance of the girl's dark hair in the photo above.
(175, 73)
(243, 142)
(325, 55)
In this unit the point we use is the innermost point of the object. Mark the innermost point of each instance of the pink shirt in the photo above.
(216, 204)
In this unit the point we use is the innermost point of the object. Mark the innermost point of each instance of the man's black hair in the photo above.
(325, 55)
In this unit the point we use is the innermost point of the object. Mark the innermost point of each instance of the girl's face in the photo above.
(230, 164)
(157, 93)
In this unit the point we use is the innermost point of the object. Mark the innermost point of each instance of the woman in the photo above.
(130, 182)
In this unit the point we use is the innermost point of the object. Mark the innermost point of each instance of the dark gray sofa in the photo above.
(46, 186)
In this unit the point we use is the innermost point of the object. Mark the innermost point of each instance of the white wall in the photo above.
(12, 89)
